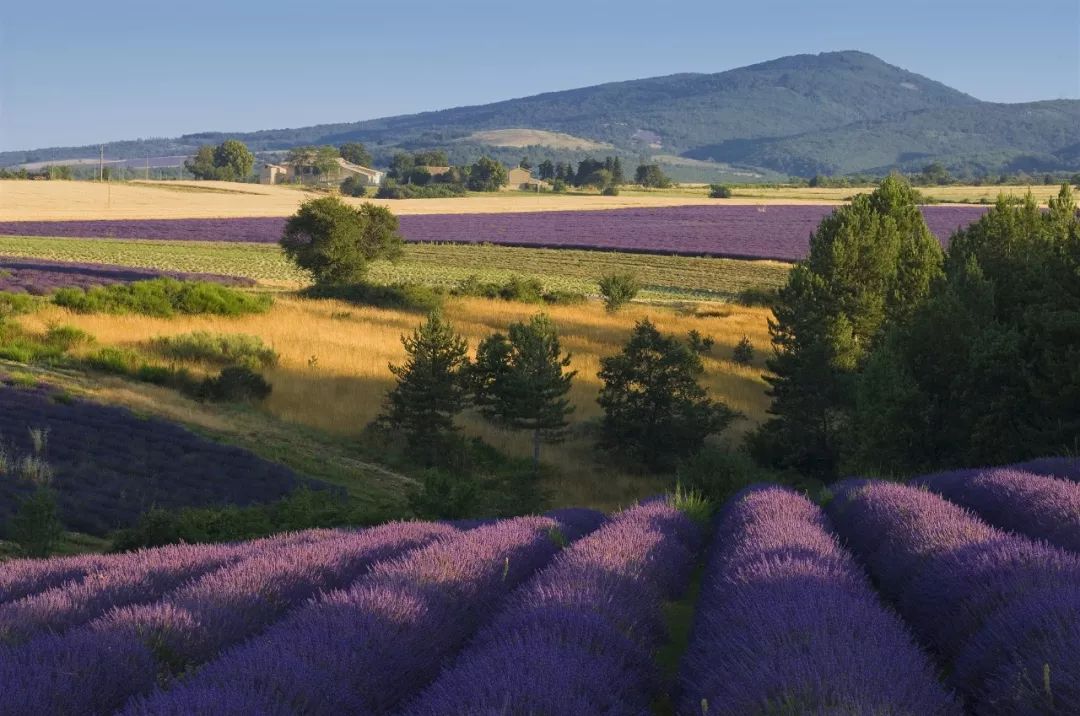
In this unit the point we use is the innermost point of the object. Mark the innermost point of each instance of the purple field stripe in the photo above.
(1034, 505)
(42, 277)
(366, 648)
(1001, 611)
(781, 232)
(582, 633)
(787, 617)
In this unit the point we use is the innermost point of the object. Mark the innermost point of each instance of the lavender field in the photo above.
(109, 466)
(779, 232)
(39, 277)
(892, 600)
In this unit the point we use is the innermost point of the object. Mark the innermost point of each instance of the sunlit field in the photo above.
(59, 200)
(332, 374)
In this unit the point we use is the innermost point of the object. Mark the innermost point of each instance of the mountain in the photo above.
(832, 113)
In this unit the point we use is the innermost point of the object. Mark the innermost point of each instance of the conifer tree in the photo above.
(430, 390)
(871, 264)
(520, 380)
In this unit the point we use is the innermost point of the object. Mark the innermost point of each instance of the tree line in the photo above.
(893, 356)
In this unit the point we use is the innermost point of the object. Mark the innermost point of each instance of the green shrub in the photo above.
(353, 186)
(744, 352)
(17, 304)
(36, 526)
(163, 297)
(220, 348)
(618, 289)
(442, 495)
(67, 337)
(236, 384)
(719, 191)
(515, 288)
(691, 503)
(610, 191)
(765, 296)
(717, 474)
(303, 509)
(392, 190)
(698, 343)
(402, 296)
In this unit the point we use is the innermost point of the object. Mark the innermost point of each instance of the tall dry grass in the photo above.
(332, 372)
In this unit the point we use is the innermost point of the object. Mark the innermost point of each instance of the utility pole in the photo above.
(148, 166)
(101, 164)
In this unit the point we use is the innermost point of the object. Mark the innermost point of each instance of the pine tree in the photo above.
(430, 389)
(520, 381)
(871, 264)
(617, 176)
(654, 408)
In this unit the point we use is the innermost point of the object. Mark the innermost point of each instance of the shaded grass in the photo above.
(679, 618)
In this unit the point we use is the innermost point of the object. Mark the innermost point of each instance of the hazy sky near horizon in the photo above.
(74, 72)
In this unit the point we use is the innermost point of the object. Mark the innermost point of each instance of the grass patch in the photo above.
(679, 617)
(216, 348)
(163, 297)
(17, 304)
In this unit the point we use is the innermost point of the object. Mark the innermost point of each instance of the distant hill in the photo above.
(833, 113)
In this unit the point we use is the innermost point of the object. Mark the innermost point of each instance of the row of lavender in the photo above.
(768, 232)
(1000, 611)
(40, 277)
(787, 622)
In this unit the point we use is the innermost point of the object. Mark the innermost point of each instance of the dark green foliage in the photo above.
(314, 162)
(717, 473)
(610, 191)
(520, 381)
(719, 191)
(444, 495)
(651, 176)
(229, 161)
(236, 384)
(698, 343)
(36, 526)
(487, 175)
(334, 242)
(303, 509)
(515, 288)
(743, 354)
(430, 390)
(356, 153)
(390, 189)
(163, 297)
(766, 296)
(546, 170)
(354, 186)
(617, 290)
(655, 412)
(403, 296)
(871, 264)
(988, 370)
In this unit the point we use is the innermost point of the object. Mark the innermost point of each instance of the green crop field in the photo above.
(432, 264)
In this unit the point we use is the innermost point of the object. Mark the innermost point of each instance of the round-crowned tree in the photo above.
(335, 242)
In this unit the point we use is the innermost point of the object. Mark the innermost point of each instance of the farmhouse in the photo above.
(518, 178)
(306, 174)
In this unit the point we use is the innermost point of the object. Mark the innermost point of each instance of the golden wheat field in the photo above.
(86, 200)
(332, 373)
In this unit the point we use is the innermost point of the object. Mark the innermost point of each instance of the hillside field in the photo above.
(332, 372)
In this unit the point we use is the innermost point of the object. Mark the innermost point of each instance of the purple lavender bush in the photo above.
(366, 648)
(581, 634)
(998, 609)
(1034, 505)
(788, 623)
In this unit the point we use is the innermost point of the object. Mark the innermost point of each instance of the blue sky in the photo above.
(83, 72)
